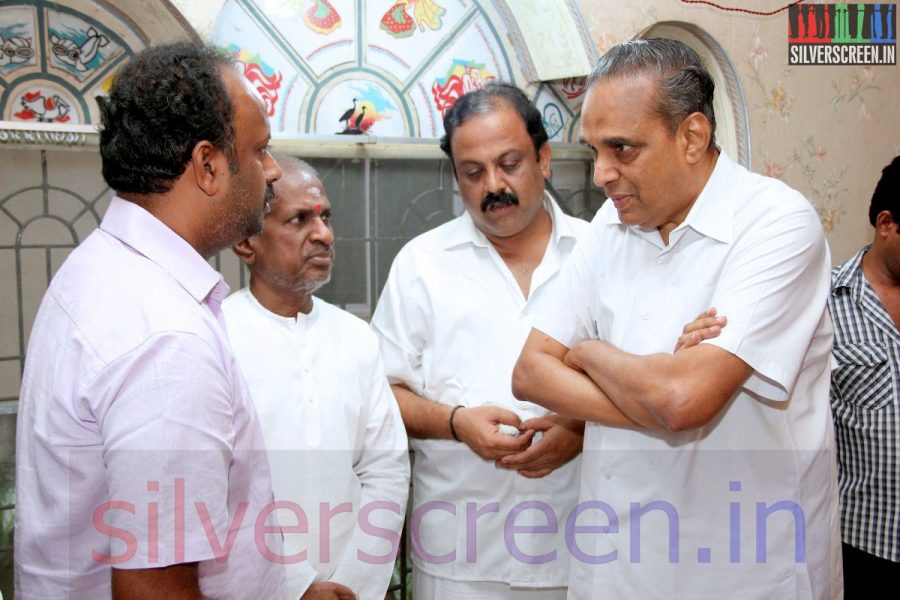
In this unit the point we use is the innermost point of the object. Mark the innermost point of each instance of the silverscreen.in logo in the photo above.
(842, 34)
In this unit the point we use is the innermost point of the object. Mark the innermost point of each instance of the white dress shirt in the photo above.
(336, 440)
(754, 249)
(452, 321)
(137, 445)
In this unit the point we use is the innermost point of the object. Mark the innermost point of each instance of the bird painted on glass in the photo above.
(347, 114)
(359, 118)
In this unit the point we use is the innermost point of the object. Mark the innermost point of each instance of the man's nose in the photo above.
(322, 231)
(272, 169)
(604, 172)
(494, 183)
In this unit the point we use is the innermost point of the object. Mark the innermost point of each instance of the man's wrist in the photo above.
(573, 355)
(450, 421)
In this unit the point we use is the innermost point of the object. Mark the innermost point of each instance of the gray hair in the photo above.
(293, 164)
(684, 86)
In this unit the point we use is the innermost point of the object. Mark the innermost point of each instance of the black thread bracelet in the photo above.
(452, 428)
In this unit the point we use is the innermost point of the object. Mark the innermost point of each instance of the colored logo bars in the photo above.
(842, 34)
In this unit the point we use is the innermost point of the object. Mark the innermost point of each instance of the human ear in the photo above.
(884, 223)
(544, 155)
(696, 133)
(207, 165)
(245, 252)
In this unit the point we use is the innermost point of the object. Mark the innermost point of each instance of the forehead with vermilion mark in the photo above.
(315, 193)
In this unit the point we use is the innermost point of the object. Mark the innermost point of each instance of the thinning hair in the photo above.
(887, 193)
(292, 164)
(489, 98)
(683, 85)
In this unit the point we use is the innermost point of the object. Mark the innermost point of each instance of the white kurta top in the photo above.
(336, 441)
(754, 249)
(452, 321)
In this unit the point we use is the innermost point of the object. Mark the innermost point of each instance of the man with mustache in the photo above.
(453, 314)
(140, 467)
(336, 442)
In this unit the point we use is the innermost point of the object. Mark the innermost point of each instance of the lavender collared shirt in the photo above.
(137, 443)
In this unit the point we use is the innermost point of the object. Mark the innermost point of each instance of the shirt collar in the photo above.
(140, 230)
(464, 231)
(712, 214)
(300, 319)
(849, 274)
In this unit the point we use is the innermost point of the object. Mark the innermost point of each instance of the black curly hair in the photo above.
(161, 104)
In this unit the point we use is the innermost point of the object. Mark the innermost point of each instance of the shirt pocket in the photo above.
(612, 308)
(602, 312)
(863, 377)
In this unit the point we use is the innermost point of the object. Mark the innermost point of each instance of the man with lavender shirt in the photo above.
(139, 465)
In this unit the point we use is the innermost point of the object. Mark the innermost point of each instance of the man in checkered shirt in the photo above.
(865, 394)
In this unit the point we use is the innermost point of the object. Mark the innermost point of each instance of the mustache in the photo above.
(319, 248)
(501, 199)
(270, 193)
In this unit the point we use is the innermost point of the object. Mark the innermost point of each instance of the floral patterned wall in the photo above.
(824, 130)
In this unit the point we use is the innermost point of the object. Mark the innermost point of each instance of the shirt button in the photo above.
(660, 260)
(645, 316)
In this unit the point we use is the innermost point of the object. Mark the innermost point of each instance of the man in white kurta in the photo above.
(337, 446)
(454, 312)
(707, 473)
